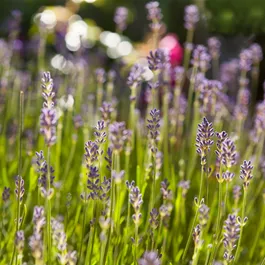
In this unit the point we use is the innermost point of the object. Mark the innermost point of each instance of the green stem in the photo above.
(190, 235)
(241, 229)
(48, 203)
(83, 230)
(258, 233)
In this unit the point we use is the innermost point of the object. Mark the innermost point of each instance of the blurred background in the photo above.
(237, 23)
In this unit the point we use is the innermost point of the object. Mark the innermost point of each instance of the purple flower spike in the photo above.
(120, 18)
(245, 60)
(214, 47)
(191, 17)
(231, 235)
(245, 173)
(257, 54)
(204, 140)
(150, 258)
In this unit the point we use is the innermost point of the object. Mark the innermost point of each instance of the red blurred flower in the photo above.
(171, 43)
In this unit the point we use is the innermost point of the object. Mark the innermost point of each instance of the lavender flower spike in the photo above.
(48, 117)
(214, 47)
(191, 17)
(204, 138)
(120, 18)
(154, 15)
(231, 235)
(246, 171)
(150, 258)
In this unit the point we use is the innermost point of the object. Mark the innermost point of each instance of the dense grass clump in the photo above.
(171, 174)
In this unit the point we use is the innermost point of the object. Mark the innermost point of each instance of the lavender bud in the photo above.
(48, 121)
(6, 194)
(153, 127)
(135, 76)
(38, 218)
(214, 47)
(196, 234)
(228, 153)
(191, 17)
(135, 198)
(150, 258)
(108, 158)
(106, 109)
(257, 54)
(201, 59)
(228, 176)
(48, 117)
(100, 133)
(120, 18)
(78, 121)
(231, 235)
(204, 138)
(179, 75)
(20, 241)
(36, 246)
(165, 191)
(158, 59)
(154, 15)
(245, 173)
(204, 214)
(118, 136)
(118, 176)
(91, 153)
(185, 186)
(245, 60)
(19, 191)
(100, 76)
(154, 222)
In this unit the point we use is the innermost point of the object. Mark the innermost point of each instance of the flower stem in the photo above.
(242, 225)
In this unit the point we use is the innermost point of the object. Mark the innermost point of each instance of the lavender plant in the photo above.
(141, 158)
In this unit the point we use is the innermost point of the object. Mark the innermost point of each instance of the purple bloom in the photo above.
(214, 47)
(191, 17)
(20, 190)
(153, 127)
(158, 59)
(246, 173)
(120, 18)
(100, 75)
(204, 138)
(20, 241)
(154, 218)
(241, 109)
(231, 235)
(6, 194)
(204, 214)
(257, 54)
(118, 136)
(154, 15)
(48, 117)
(228, 153)
(201, 58)
(196, 234)
(91, 153)
(150, 258)
(179, 75)
(106, 109)
(245, 60)
(48, 121)
(185, 186)
(135, 76)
